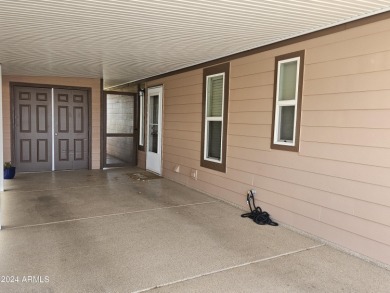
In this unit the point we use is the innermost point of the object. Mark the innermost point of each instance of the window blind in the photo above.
(215, 92)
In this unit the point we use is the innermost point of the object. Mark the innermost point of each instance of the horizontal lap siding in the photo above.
(367, 137)
(337, 187)
(379, 100)
(346, 120)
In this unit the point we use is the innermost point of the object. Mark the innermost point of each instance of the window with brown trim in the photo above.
(286, 115)
(214, 117)
(141, 122)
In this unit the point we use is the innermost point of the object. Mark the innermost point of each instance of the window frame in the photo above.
(276, 143)
(141, 135)
(213, 118)
(141, 119)
(210, 163)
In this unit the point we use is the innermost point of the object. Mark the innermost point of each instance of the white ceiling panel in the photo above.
(128, 40)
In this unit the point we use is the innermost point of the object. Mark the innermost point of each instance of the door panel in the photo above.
(63, 119)
(43, 150)
(79, 150)
(78, 120)
(32, 129)
(42, 119)
(153, 154)
(25, 151)
(71, 129)
(25, 118)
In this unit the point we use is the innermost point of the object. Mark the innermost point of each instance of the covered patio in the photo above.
(88, 86)
(121, 230)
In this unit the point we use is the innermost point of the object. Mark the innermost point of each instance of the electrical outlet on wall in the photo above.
(253, 191)
(176, 169)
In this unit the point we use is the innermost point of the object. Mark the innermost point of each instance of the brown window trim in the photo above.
(221, 68)
(295, 147)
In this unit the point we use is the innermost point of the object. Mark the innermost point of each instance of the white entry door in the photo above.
(154, 130)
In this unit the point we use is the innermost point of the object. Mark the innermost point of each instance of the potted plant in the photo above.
(9, 170)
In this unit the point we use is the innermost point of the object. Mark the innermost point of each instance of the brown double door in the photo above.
(50, 129)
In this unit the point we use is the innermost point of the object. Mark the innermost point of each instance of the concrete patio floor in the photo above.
(101, 231)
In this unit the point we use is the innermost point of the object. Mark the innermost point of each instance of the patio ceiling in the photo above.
(128, 40)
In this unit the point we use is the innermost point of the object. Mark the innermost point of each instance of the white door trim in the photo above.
(1, 141)
(154, 159)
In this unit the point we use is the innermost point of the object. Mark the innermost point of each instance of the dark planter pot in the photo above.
(9, 173)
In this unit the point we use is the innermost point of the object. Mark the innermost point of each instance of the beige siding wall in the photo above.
(94, 84)
(338, 186)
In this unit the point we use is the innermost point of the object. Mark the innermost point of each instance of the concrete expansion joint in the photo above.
(68, 187)
(112, 215)
(230, 268)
